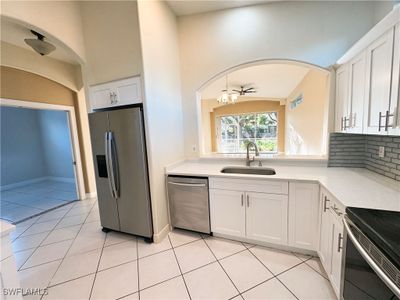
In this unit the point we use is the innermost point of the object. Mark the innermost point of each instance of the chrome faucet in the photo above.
(248, 159)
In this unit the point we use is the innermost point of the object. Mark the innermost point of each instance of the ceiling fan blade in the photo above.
(237, 91)
(250, 92)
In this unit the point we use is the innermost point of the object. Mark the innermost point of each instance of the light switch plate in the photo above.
(381, 151)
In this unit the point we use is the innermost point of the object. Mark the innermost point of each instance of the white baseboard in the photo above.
(158, 237)
(90, 195)
(61, 179)
(21, 183)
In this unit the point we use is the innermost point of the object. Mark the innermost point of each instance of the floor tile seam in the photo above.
(69, 248)
(223, 269)
(180, 269)
(277, 278)
(98, 264)
(38, 265)
(305, 262)
(40, 246)
(185, 243)
(137, 268)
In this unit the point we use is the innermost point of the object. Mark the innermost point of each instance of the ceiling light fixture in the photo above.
(227, 97)
(40, 45)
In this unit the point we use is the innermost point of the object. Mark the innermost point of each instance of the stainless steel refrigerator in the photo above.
(119, 154)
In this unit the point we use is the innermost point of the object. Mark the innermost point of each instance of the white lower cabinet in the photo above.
(227, 212)
(331, 239)
(303, 215)
(288, 216)
(266, 217)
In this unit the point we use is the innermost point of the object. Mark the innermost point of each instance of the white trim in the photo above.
(73, 130)
(158, 237)
(90, 195)
(378, 30)
(61, 179)
(21, 183)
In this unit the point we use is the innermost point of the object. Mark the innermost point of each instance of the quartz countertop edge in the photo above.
(355, 187)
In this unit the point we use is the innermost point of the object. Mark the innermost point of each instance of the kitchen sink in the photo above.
(248, 170)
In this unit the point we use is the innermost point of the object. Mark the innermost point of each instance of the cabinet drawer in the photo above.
(250, 185)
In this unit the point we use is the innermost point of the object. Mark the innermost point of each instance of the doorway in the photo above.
(38, 162)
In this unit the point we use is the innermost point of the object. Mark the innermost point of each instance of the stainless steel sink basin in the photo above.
(248, 170)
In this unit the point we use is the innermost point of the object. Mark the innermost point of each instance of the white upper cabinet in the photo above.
(367, 81)
(377, 87)
(303, 215)
(356, 93)
(116, 93)
(394, 121)
(342, 100)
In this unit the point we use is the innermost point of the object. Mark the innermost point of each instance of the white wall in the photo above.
(313, 32)
(112, 40)
(58, 19)
(163, 107)
(306, 123)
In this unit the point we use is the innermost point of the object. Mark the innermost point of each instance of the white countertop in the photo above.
(6, 228)
(352, 187)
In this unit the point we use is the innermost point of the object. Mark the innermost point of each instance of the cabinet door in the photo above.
(342, 97)
(100, 96)
(303, 215)
(326, 234)
(337, 245)
(356, 93)
(395, 92)
(128, 91)
(266, 217)
(227, 212)
(377, 94)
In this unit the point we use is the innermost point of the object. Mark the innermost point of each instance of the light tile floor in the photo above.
(78, 261)
(29, 200)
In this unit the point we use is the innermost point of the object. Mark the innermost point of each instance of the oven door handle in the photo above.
(393, 287)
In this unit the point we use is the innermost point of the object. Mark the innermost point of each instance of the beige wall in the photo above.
(306, 124)
(21, 85)
(112, 40)
(316, 32)
(57, 19)
(162, 106)
(249, 107)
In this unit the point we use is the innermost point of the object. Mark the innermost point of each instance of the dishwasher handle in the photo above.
(188, 184)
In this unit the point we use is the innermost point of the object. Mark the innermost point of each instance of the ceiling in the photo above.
(15, 34)
(188, 7)
(270, 81)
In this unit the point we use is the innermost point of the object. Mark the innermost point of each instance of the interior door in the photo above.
(130, 157)
(377, 94)
(266, 217)
(99, 126)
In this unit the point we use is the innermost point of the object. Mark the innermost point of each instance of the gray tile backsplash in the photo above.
(361, 151)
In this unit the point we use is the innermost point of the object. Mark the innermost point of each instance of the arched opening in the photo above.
(281, 105)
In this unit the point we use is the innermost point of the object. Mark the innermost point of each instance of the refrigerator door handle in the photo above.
(114, 165)
(106, 145)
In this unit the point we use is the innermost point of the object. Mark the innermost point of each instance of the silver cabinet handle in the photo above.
(326, 200)
(188, 184)
(385, 278)
(248, 200)
(241, 196)
(336, 210)
(111, 98)
(340, 242)
(115, 97)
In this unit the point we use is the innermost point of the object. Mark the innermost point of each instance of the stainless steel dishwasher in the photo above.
(188, 203)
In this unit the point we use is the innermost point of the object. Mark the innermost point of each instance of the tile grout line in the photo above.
(179, 266)
(98, 264)
(20, 269)
(63, 258)
(137, 268)
(217, 260)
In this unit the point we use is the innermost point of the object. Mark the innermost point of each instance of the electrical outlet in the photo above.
(194, 148)
(381, 151)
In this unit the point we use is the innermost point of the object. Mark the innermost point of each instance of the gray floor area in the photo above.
(21, 203)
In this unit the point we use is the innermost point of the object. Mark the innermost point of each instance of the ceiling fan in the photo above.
(243, 91)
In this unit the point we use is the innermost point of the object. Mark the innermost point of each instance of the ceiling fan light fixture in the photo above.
(40, 45)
